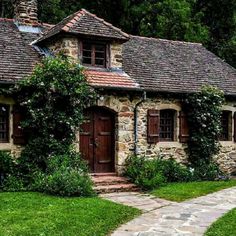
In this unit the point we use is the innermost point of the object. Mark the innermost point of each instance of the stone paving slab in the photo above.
(144, 202)
(164, 218)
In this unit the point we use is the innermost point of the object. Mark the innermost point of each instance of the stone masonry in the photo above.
(26, 12)
(124, 106)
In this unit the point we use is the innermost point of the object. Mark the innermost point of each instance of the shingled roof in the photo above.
(150, 64)
(17, 57)
(85, 23)
(172, 66)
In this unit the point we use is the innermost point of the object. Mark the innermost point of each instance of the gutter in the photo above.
(144, 97)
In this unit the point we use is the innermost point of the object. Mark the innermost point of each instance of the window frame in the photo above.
(226, 135)
(173, 126)
(6, 131)
(93, 45)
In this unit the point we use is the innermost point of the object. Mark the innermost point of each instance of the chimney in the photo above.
(26, 12)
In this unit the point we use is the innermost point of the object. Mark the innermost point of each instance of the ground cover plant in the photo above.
(32, 214)
(224, 226)
(183, 191)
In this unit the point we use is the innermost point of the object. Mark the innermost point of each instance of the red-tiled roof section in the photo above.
(85, 23)
(110, 80)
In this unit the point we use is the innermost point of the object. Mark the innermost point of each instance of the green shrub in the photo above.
(174, 172)
(152, 173)
(209, 171)
(13, 183)
(7, 165)
(66, 175)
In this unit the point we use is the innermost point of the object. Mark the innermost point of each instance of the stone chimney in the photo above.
(26, 12)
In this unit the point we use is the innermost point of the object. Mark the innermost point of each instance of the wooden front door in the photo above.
(97, 142)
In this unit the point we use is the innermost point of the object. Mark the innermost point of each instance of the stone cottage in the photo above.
(140, 82)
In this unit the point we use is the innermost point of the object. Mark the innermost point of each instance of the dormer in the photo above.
(87, 38)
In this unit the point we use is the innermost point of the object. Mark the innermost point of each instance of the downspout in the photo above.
(144, 97)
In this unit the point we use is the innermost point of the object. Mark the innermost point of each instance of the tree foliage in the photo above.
(211, 22)
(53, 98)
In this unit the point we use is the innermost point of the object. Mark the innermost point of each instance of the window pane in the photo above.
(87, 46)
(99, 62)
(87, 60)
(225, 126)
(167, 125)
(4, 119)
(100, 48)
(94, 54)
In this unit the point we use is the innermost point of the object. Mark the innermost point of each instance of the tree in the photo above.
(220, 17)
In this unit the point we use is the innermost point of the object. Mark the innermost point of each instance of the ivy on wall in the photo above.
(204, 118)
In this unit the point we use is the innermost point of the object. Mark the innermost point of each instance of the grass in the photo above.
(182, 191)
(224, 226)
(32, 214)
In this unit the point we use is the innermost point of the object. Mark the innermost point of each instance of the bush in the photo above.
(66, 175)
(7, 165)
(152, 173)
(13, 183)
(207, 172)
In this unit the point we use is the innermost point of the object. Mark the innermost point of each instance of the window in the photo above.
(226, 125)
(4, 123)
(167, 125)
(94, 54)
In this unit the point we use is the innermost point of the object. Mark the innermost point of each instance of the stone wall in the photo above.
(124, 105)
(71, 46)
(68, 45)
(26, 12)
(116, 55)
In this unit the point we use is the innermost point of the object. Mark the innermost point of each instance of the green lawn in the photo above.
(24, 214)
(225, 226)
(182, 191)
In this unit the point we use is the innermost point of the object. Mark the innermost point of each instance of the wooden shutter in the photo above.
(234, 126)
(183, 127)
(153, 123)
(18, 133)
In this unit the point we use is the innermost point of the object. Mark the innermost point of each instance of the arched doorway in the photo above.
(97, 139)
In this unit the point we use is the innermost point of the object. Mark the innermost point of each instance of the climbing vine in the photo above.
(204, 117)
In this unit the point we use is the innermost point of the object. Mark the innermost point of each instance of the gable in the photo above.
(85, 23)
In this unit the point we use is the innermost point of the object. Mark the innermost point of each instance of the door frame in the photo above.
(113, 116)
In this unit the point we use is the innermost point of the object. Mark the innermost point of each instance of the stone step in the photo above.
(109, 180)
(115, 188)
(103, 174)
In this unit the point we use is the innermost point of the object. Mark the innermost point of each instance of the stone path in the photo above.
(141, 201)
(163, 218)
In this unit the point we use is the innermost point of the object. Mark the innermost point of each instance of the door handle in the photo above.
(96, 142)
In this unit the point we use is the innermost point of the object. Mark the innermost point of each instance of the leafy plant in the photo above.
(66, 175)
(53, 99)
(153, 173)
(204, 118)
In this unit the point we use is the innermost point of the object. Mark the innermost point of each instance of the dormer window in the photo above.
(94, 54)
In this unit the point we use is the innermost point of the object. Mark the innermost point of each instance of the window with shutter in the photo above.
(226, 126)
(153, 121)
(167, 119)
(4, 123)
(18, 133)
(183, 127)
